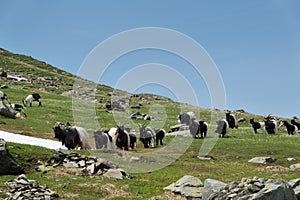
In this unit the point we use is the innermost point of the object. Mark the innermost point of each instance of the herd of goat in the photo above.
(13, 107)
(124, 138)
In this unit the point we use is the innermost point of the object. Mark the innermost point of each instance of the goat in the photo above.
(291, 129)
(32, 97)
(271, 125)
(71, 137)
(102, 140)
(295, 123)
(203, 127)
(147, 136)
(122, 138)
(3, 97)
(186, 118)
(222, 127)
(132, 140)
(194, 128)
(258, 125)
(18, 108)
(160, 136)
(232, 122)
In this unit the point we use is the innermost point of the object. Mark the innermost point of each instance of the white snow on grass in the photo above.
(23, 139)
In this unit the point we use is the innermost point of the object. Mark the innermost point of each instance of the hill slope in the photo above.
(57, 89)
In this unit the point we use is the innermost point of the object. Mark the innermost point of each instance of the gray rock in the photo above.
(114, 174)
(291, 159)
(275, 190)
(295, 166)
(8, 166)
(189, 186)
(211, 187)
(262, 160)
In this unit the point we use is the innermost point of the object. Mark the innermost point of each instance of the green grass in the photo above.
(230, 163)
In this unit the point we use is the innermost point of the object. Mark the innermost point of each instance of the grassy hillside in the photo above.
(230, 154)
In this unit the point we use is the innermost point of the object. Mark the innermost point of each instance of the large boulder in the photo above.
(8, 166)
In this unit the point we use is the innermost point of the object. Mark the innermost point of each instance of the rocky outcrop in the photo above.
(8, 166)
(248, 188)
(257, 189)
(23, 188)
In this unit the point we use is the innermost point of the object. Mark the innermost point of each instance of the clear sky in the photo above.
(255, 44)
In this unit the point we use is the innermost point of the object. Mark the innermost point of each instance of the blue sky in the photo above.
(255, 44)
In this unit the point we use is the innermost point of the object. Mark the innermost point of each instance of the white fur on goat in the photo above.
(84, 137)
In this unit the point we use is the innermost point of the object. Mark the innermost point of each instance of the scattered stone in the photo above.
(23, 188)
(262, 160)
(291, 159)
(83, 165)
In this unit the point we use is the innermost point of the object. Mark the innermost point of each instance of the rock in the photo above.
(23, 188)
(295, 166)
(211, 187)
(84, 165)
(114, 174)
(189, 186)
(291, 159)
(8, 166)
(262, 160)
(205, 157)
(276, 189)
(43, 168)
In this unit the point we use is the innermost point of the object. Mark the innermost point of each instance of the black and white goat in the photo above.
(232, 122)
(32, 97)
(271, 125)
(295, 123)
(102, 140)
(18, 108)
(291, 129)
(72, 137)
(160, 136)
(198, 127)
(147, 136)
(3, 97)
(203, 128)
(186, 118)
(222, 127)
(258, 125)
